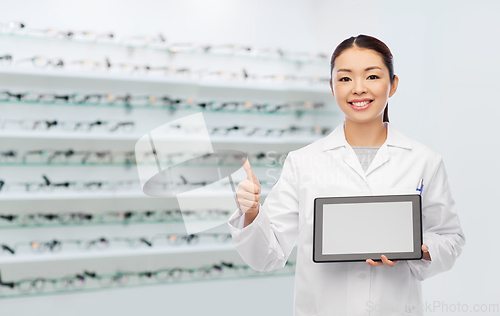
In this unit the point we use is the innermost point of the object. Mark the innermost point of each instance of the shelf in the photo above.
(108, 223)
(181, 138)
(112, 253)
(118, 164)
(196, 82)
(283, 272)
(101, 195)
(167, 49)
(227, 258)
(88, 136)
(70, 196)
(173, 109)
(70, 261)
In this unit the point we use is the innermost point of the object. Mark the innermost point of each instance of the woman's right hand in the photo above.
(248, 194)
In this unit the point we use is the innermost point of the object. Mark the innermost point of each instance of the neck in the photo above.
(371, 133)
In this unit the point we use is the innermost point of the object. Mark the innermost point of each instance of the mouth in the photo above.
(360, 104)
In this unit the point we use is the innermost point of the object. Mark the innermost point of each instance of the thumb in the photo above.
(248, 170)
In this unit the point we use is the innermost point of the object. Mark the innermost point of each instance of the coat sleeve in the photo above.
(267, 242)
(442, 232)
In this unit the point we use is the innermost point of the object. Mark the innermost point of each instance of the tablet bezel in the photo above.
(319, 202)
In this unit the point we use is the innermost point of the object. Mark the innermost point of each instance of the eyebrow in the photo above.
(367, 69)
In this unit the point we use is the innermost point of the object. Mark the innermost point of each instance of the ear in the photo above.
(331, 87)
(394, 86)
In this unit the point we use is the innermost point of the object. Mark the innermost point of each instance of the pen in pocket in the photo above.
(420, 186)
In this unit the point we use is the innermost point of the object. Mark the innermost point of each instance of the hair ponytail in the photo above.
(386, 113)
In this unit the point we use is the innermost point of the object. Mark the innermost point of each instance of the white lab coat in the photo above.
(330, 167)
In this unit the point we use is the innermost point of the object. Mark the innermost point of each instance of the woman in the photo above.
(364, 155)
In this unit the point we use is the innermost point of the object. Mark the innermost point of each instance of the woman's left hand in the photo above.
(393, 263)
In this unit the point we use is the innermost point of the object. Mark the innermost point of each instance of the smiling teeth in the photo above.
(360, 103)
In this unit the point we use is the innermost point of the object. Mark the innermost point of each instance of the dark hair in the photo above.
(368, 42)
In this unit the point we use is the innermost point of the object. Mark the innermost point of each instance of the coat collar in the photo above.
(337, 138)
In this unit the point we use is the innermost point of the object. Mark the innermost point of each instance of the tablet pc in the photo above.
(356, 228)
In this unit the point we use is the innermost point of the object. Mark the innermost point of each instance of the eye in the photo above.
(344, 79)
(373, 77)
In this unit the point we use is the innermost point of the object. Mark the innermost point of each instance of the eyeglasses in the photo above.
(246, 51)
(79, 35)
(143, 40)
(35, 246)
(270, 158)
(90, 279)
(158, 240)
(291, 130)
(27, 124)
(95, 98)
(31, 96)
(38, 284)
(234, 48)
(177, 239)
(76, 98)
(15, 27)
(241, 130)
(52, 156)
(6, 248)
(8, 156)
(5, 60)
(193, 158)
(111, 217)
(49, 156)
(270, 132)
(12, 26)
(37, 219)
(161, 216)
(260, 107)
(185, 184)
(159, 41)
(76, 126)
(48, 185)
(161, 101)
(154, 101)
(97, 157)
(87, 64)
(243, 75)
(43, 62)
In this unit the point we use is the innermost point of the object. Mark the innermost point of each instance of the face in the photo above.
(361, 84)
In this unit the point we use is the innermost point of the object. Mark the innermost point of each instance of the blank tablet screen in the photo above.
(356, 228)
(349, 228)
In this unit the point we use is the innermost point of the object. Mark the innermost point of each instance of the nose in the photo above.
(359, 87)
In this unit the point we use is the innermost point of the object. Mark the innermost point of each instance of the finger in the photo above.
(425, 248)
(249, 186)
(246, 206)
(247, 203)
(426, 255)
(388, 262)
(373, 263)
(248, 170)
(249, 196)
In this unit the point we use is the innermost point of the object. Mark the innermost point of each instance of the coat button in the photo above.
(362, 276)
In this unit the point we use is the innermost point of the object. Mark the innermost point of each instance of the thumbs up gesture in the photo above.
(248, 194)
